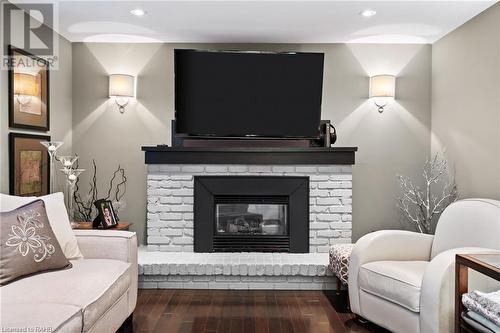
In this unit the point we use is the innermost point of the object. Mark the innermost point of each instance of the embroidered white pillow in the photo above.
(58, 219)
(28, 244)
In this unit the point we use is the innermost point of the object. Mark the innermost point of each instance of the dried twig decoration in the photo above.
(85, 210)
(419, 205)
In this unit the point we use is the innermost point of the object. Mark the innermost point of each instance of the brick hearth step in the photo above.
(234, 270)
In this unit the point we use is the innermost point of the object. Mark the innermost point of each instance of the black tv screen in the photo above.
(247, 94)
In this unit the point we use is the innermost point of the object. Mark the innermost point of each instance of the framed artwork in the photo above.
(28, 91)
(107, 215)
(28, 165)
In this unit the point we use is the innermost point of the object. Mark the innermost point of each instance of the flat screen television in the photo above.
(248, 94)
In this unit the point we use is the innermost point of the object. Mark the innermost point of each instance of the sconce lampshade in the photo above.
(121, 85)
(25, 84)
(383, 86)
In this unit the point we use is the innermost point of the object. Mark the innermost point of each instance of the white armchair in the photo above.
(404, 281)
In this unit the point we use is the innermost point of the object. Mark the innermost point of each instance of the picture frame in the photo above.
(28, 92)
(106, 214)
(29, 169)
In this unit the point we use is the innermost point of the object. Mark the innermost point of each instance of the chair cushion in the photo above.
(93, 285)
(40, 317)
(58, 219)
(395, 281)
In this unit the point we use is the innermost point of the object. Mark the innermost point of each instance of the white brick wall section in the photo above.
(170, 202)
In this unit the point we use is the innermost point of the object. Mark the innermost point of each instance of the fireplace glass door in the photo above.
(251, 219)
(251, 216)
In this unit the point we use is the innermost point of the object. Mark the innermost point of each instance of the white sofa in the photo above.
(404, 281)
(96, 295)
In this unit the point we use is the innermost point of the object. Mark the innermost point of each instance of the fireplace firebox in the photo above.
(251, 214)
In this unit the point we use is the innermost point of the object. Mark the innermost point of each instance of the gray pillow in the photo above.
(28, 244)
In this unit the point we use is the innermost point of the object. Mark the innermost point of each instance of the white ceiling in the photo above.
(264, 21)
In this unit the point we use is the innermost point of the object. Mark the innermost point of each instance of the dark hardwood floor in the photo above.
(227, 311)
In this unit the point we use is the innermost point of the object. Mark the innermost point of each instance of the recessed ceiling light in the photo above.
(368, 13)
(138, 12)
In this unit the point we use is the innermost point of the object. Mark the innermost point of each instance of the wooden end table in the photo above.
(88, 226)
(487, 264)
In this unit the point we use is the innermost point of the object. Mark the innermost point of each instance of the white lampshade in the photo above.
(383, 86)
(121, 85)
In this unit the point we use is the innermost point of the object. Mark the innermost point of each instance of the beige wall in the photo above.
(466, 103)
(395, 142)
(465, 112)
(60, 110)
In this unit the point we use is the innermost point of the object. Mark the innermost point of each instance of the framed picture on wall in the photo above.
(28, 165)
(28, 91)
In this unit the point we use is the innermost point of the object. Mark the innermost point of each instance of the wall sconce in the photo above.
(382, 90)
(121, 87)
(25, 86)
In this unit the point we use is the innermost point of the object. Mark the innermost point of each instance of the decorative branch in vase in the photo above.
(84, 201)
(421, 205)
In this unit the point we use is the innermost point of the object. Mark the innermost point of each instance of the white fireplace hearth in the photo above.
(183, 270)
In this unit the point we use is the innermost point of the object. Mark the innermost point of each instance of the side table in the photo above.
(487, 264)
(88, 226)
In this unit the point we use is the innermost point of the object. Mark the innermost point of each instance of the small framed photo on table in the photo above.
(107, 216)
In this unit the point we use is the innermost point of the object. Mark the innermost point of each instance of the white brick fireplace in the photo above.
(170, 261)
(170, 202)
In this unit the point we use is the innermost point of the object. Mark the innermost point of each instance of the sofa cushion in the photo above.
(58, 219)
(94, 285)
(395, 281)
(40, 317)
(27, 243)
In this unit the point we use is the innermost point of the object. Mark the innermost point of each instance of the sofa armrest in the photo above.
(117, 245)
(385, 245)
(107, 244)
(437, 297)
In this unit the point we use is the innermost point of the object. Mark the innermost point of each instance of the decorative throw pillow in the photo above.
(27, 243)
(58, 219)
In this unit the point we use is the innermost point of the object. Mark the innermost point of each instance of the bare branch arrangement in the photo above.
(420, 205)
(85, 210)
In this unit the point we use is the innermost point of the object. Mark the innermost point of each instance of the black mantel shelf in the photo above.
(314, 155)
